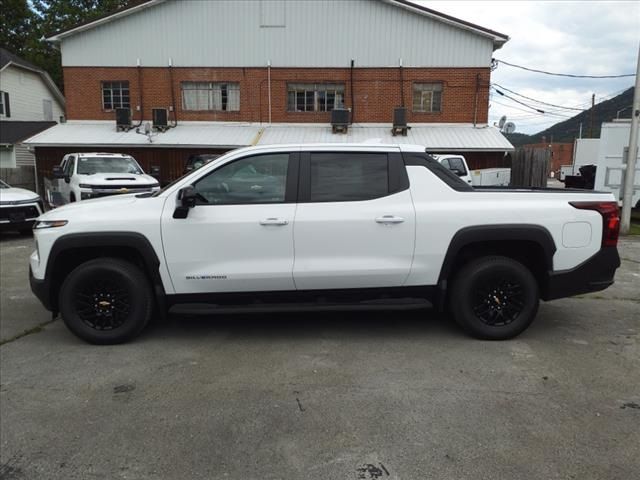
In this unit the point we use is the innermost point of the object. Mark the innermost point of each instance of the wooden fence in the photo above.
(530, 167)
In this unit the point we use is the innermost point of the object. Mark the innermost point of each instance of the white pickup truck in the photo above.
(82, 176)
(325, 227)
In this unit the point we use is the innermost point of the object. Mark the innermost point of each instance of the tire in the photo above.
(494, 298)
(106, 301)
(72, 198)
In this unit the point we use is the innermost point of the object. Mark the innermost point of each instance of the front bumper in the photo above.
(22, 225)
(594, 274)
(19, 216)
(41, 290)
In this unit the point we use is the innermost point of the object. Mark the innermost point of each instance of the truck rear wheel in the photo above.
(494, 298)
(106, 301)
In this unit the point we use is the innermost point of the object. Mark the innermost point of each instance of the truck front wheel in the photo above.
(494, 298)
(106, 301)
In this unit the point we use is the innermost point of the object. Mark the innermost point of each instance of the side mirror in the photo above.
(459, 172)
(57, 172)
(187, 198)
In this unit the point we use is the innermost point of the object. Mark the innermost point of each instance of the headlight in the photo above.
(49, 224)
(85, 185)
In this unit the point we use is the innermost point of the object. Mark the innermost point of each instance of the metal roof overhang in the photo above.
(438, 137)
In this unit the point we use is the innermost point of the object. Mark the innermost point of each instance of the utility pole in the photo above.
(593, 107)
(632, 155)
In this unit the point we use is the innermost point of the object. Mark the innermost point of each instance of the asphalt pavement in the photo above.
(323, 396)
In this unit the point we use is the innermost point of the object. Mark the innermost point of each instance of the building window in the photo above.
(314, 97)
(215, 96)
(5, 110)
(427, 97)
(115, 95)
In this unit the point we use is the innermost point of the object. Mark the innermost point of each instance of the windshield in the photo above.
(3, 185)
(91, 165)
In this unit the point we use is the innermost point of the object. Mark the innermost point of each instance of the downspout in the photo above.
(353, 101)
(401, 85)
(269, 87)
(173, 95)
(475, 110)
(140, 97)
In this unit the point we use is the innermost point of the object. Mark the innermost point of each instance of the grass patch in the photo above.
(634, 229)
(36, 329)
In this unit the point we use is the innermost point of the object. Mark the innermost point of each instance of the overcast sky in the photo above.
(580, 37)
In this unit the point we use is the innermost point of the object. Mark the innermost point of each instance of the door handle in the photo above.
(388, 219)
(274, 221)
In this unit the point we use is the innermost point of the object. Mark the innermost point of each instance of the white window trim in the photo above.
(211, 93)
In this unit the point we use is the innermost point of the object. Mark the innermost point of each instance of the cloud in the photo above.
(580, 37)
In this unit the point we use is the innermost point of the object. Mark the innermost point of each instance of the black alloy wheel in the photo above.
(106, 301)
(499, 301)
(494, 297)
(102, 304)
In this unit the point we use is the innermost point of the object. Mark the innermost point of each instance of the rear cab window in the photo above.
(440, 171)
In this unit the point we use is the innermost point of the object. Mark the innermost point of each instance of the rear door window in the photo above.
(347, 177)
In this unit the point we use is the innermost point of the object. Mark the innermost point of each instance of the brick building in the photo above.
(232, 73)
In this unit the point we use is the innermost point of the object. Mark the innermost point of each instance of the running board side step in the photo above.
(385, 304)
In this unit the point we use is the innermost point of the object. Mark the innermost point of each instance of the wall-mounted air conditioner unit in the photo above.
(123, 119)
(340, 120)
(160, 119)
(400, 122)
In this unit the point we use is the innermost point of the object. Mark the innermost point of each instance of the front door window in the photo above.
(252, 180)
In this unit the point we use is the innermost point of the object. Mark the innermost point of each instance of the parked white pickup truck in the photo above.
(325, 227)
(486, 177)
(457, 164)
(82, 176)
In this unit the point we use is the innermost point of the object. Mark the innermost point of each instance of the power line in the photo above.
(533, 115)
(538, 101)
(518, 101)
(564, 74)
(529, 106)
(530, 114)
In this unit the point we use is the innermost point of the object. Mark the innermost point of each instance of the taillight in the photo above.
(610, 219)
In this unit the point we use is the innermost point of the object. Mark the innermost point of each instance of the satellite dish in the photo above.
(509, 127)
(502, 121)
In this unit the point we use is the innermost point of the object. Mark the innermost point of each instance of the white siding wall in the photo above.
(317, 33)
(7, 157)
(26, 91)
(23, 156)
